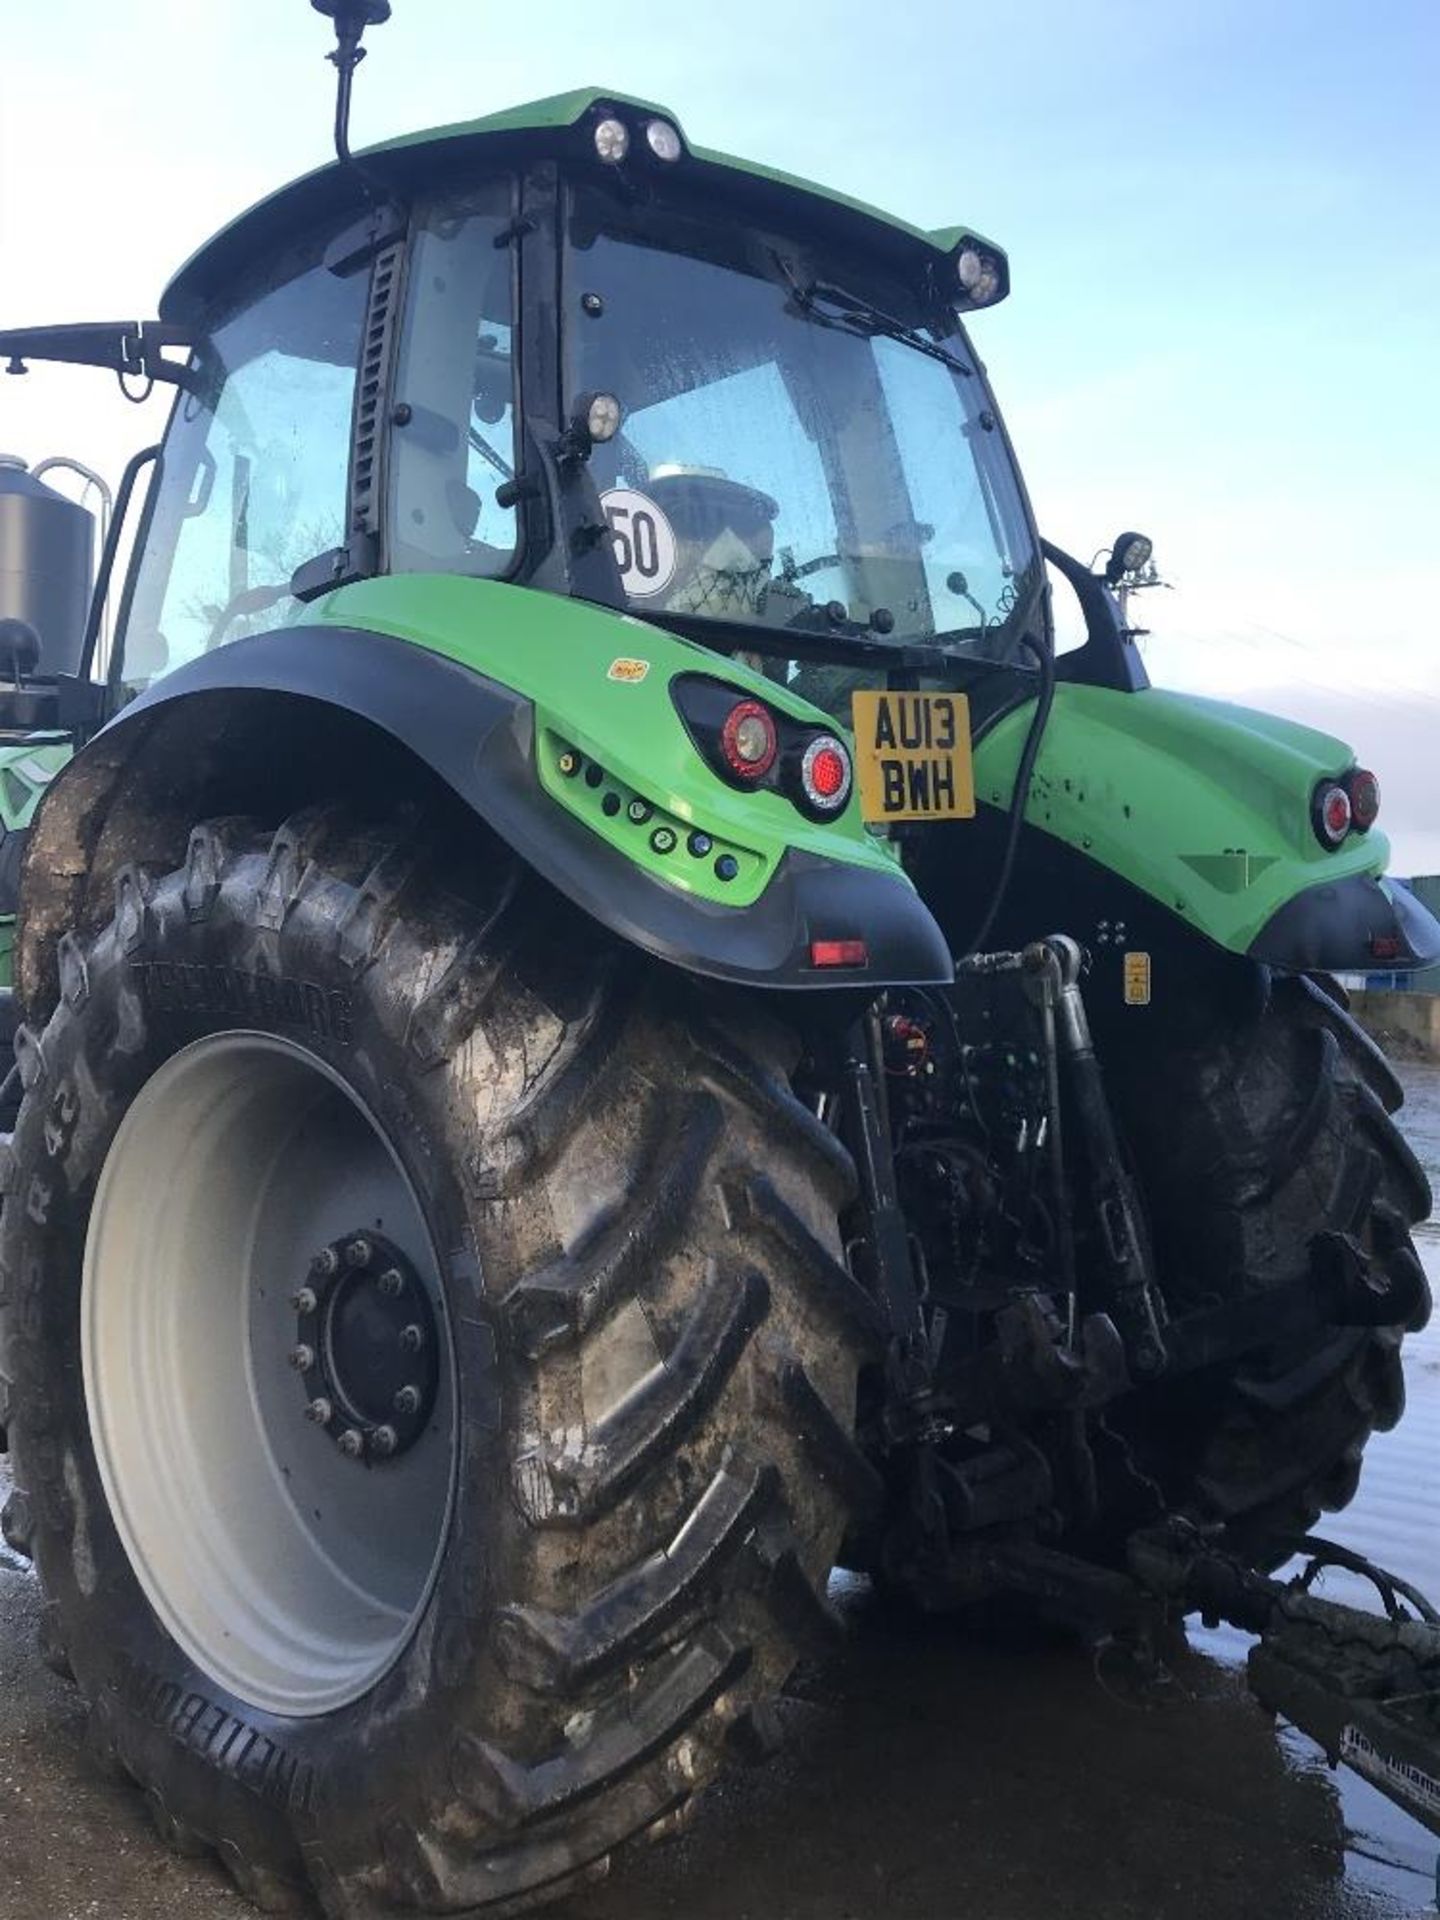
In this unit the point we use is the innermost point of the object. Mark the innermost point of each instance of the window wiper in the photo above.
(831, 306)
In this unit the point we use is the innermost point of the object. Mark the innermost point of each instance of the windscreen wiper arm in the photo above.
(863, 318)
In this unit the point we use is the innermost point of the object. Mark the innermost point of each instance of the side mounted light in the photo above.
(1128, 555)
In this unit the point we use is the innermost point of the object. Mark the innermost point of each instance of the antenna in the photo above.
(351, 18)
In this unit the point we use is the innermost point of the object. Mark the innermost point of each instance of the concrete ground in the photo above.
(926, 1776)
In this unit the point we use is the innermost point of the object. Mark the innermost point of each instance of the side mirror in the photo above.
(1128, 554)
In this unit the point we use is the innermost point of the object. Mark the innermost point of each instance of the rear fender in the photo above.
(1205, 808)
(498, 746)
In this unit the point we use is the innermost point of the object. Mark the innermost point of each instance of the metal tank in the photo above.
(47, 548)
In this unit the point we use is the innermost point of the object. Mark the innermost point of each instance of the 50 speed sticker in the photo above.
(642, 539)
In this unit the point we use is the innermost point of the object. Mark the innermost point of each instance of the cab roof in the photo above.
(538, 128)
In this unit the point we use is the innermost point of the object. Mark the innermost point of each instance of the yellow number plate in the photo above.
(912, 753)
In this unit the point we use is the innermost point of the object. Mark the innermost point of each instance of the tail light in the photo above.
(1364, 791)
(752, 745)
(1330, 813)
(839, 953)
(825, 774)
(748, 740)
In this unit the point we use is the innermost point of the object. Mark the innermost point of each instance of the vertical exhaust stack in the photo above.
(47, 563)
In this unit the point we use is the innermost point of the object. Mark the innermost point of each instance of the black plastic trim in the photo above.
(1109, 657)
(478, 737)
(1335, 925)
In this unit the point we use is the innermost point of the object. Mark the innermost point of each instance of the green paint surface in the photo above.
(1202, 805)
(558, 654)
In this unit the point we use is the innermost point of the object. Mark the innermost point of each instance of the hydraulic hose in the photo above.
(1024, 773)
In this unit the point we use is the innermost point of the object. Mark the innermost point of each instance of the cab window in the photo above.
(255, 470)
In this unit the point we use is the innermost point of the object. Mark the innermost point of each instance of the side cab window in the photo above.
(454, 444)
(255, 468)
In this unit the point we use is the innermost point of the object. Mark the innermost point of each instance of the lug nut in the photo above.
(407, 1400)
(351, 1443)
(359, 1252)
(304, 1300)
(391, 1282)
(384, 1440)
(325, 1261)
(320, 1412)
(412, 1338)
(302, 1358)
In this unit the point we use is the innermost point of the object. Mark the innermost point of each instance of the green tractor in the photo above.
(565, 991)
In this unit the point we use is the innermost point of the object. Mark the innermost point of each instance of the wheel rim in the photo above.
(290, 1571)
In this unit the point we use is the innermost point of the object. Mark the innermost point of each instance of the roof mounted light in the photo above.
(663, 140)
(612, 140)
(979, 275)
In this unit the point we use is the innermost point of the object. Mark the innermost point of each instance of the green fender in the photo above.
(1202, 805)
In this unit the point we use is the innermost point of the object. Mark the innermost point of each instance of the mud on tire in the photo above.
(656, 1352)
(1266, 1155)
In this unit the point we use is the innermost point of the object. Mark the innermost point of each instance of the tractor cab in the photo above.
(564, 349)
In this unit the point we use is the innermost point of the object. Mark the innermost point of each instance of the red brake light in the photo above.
(1330, 811)
(748, 740)
(1364, 791)
(825, 774)
(839, 953)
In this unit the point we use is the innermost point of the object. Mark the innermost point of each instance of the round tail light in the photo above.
(748, 740)
(825, 774)
(1330, 811)
(1364, 791)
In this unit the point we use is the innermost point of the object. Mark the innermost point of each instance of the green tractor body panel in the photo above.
(26, 769)
(1202, 805)
(600, 684)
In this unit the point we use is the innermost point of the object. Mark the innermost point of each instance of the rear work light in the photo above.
(1330, 813)
(1364, 791)
(748, 740)
(825, 774)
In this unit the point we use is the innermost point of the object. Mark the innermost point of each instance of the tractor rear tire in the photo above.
(453, 1666)
(1264, 1155)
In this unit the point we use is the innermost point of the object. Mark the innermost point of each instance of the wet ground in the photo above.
(925, 1777)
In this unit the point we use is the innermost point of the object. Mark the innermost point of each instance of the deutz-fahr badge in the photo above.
(912, 752)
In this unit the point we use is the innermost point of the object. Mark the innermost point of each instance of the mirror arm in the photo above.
(125, 347)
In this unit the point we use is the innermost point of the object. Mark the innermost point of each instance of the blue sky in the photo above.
(1222, 221)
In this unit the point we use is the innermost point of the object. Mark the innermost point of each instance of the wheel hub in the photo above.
(366, 1347)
